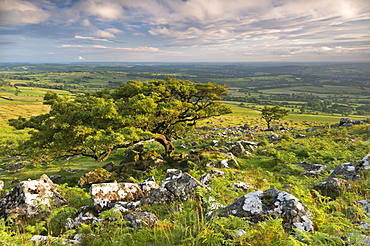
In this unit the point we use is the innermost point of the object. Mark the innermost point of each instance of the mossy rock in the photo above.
(98, 175)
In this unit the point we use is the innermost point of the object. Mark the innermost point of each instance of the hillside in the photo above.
(229, 181)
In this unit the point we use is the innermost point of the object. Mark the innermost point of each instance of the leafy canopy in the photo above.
(95, 124)
(273, 113)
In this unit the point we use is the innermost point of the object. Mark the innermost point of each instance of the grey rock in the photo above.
(333, 186)
(38, 239)
(15, 166)
(148, 186)
(141, 219)
(30, 198)
(205, 178)
(365, 205)
(239, 150)
(178, 186)
(217, 173)
(346, 122)
(261, 205)
(365, 163)
(313, 170)
(243, 186)
(359, 239)
(345, 170)
(239, 233)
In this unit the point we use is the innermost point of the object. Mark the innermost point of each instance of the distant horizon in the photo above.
(176, 31)
(149, 62)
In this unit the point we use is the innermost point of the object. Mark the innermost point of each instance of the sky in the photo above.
(66, 31)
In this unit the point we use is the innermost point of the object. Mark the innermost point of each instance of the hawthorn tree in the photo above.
(96, 124)
(273, 113)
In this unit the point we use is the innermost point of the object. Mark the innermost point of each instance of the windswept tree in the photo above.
(273, 113)
(95, 124)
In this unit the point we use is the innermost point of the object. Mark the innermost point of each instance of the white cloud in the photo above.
(151, 49)
(80, 58)
(104, 10)
(92, 38)
(104, 34)
(70, 46)
(107, 33)
(17, 12)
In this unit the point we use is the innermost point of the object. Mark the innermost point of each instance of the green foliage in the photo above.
(96, 124)
(77, 197)
(273, 113)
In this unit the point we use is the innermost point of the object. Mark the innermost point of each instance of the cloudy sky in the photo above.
(184, 30)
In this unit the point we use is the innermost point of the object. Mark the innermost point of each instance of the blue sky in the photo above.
(184, 30)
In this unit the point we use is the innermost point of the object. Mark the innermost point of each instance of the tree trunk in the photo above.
(168, 146)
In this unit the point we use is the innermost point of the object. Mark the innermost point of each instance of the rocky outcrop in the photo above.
(178, 186)
(30, 198)
(141, 219)
(261, 205)
(95, 176)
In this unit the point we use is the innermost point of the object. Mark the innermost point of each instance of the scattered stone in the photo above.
(365, 163)
(359, 239)
(261, 205)
(73, 171)
(139, 219)
(345, 122)
(177, 186)
(38, 239)
(249, 144)
(133, 154)
(313, 170)
(243, 186)
(205, 178)
(224, 163)
(215, 143)
(68, 158)
(239, 233)
(365, 205)
(217, 173)
(30, 198)
(210, 164)
(15, 166)
(105, 195)
(333, 187)
(99, 175)
(345, 170)
(12, 157)
(148, 186)
(110, 166)
(227, 163)
(239, 150)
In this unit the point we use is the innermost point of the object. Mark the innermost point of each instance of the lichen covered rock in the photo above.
(177, 186)
(95, 176)
(105, 195)
(141, 219)
(30, 198)
(260, 205)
